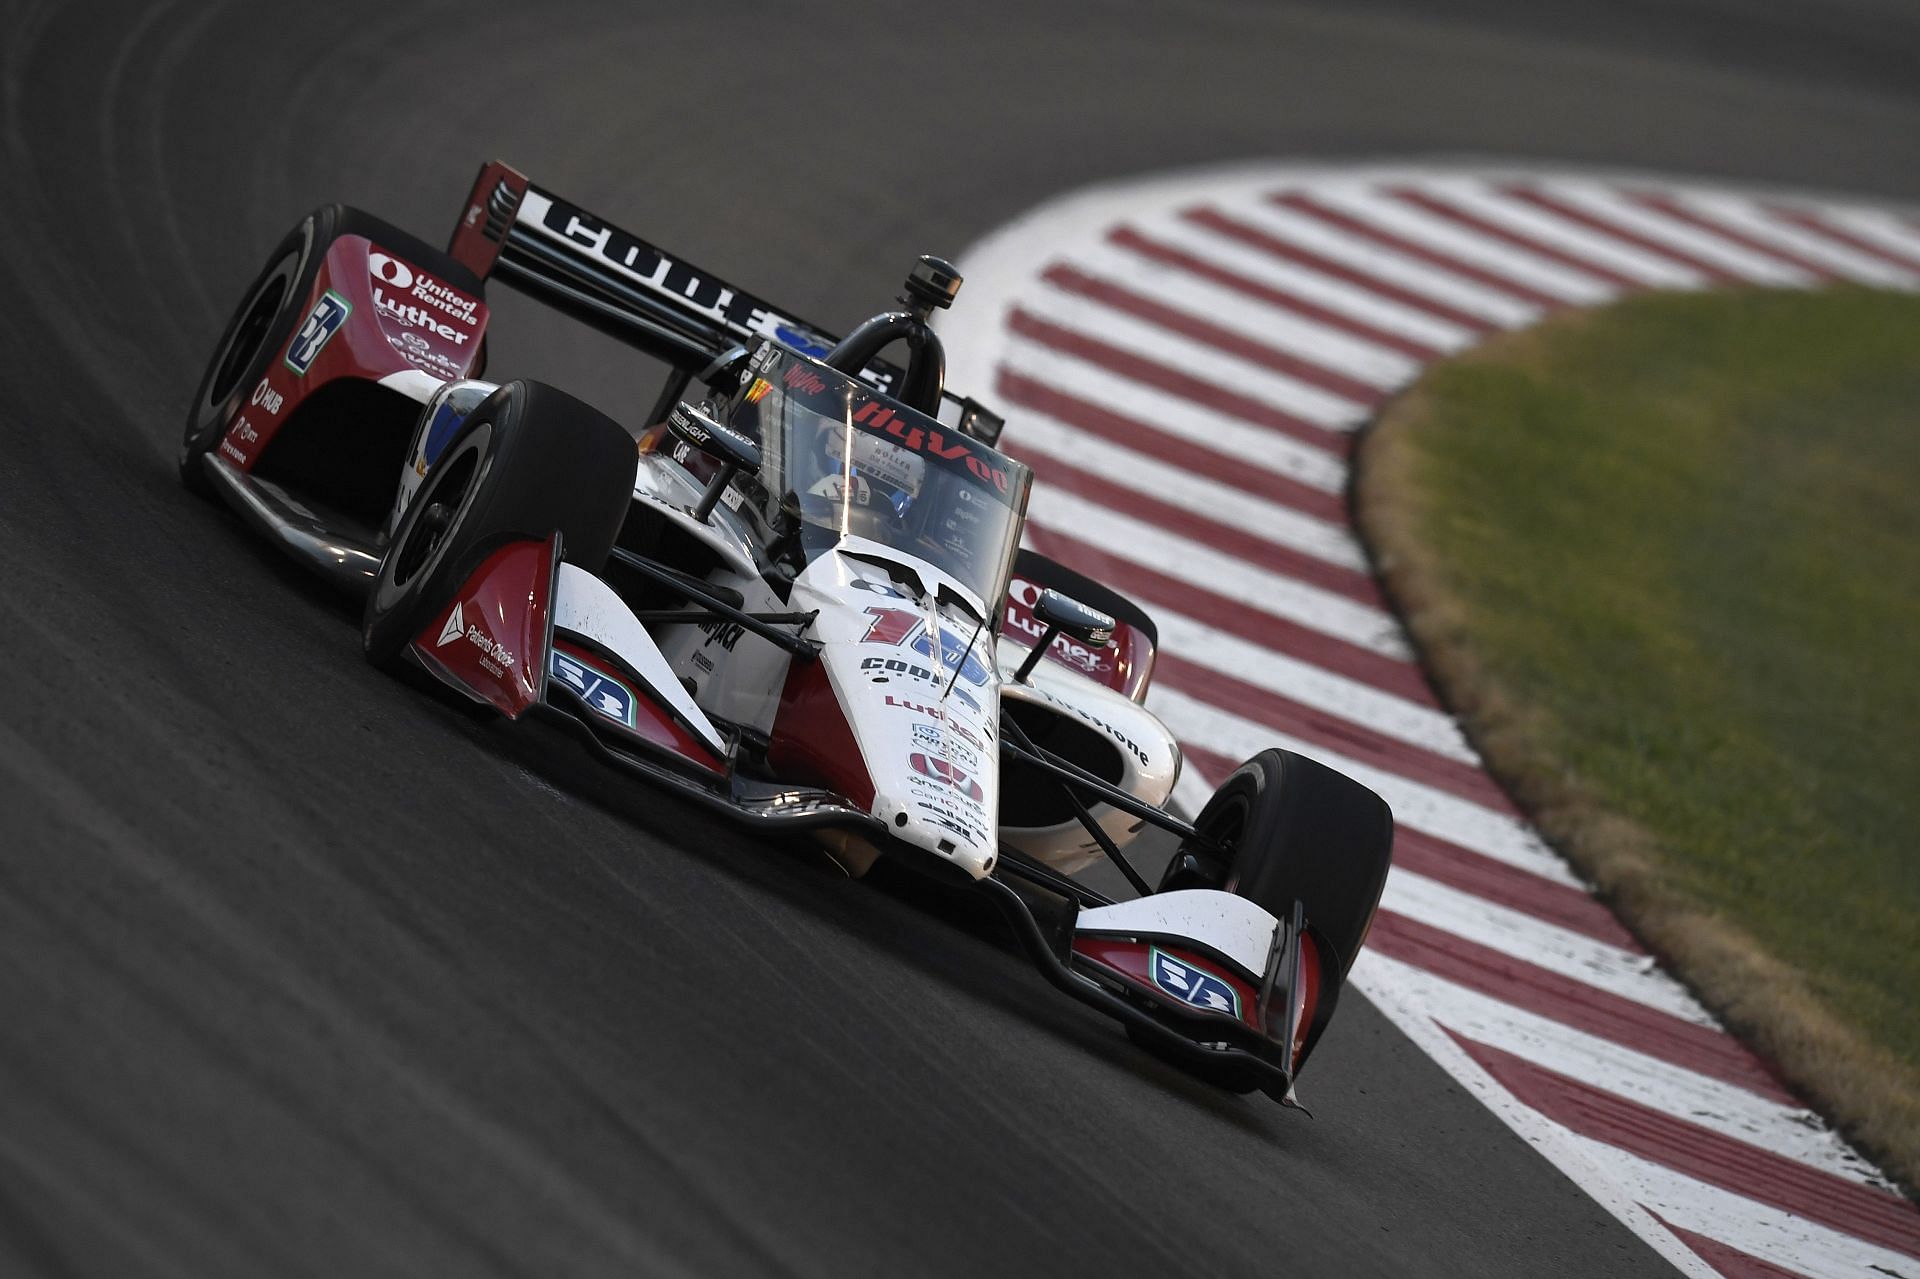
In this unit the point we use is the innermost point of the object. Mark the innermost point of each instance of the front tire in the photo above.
(1295, 829)
(259, 327)
(528, 461)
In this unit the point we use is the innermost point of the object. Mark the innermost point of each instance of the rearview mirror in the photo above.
(1063, 615)
(734, 451)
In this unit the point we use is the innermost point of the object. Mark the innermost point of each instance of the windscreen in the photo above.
(840, 459)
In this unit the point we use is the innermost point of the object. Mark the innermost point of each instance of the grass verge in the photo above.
(1664, 561)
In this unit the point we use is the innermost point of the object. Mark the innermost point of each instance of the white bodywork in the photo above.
(1232, 926)
(922, 700)
(921, 695)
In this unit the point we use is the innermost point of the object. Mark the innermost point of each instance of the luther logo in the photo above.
(1190, 985)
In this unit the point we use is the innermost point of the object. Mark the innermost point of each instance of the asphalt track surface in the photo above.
(301, 972)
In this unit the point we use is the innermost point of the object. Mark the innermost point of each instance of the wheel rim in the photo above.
(251, 332)
(440, 505)
(1225, 827)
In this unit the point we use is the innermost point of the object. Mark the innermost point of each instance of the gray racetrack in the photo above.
(304, 973)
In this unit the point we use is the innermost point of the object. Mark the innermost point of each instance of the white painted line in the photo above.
(1282, 329)
(1759, 1230)
(1042, 437)
(1558, 950)
(1362, 305)
(1875, 227)
(1457, 292)
(1370, 205)
(1600, 1063)
(1612, 207)
(1592, 1167)
(1181, 420)
(1746, 217)
(1235, 579)
(1207, 363)
(1414, 804)
(1076, 229)
(1357, 703)
(1479, 198)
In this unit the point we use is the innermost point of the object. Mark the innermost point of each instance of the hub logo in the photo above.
(328, 314)
(1190, 985)
(605, 694)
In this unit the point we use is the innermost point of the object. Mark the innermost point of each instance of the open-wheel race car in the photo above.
(797, 594)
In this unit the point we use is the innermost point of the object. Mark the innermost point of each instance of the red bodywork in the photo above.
(1132, 960)
(492, 639)
(400, 318)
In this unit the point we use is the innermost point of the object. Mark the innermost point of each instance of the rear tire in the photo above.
(1295, 829)
(529, 460)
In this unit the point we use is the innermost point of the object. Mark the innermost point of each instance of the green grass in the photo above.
(1684, 532)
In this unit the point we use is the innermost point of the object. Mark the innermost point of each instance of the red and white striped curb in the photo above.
(1184, 361)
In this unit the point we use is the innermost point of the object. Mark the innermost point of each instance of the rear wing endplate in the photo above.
(636, 292)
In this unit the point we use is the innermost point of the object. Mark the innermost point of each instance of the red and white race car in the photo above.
(797, 595)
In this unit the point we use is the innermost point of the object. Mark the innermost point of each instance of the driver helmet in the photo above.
(882, 484)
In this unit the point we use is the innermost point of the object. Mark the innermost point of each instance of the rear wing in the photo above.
(584, 266)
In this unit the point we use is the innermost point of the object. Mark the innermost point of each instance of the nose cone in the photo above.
(956, 831)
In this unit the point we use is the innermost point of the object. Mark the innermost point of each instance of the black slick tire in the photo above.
(530, 460)
(1296, 830)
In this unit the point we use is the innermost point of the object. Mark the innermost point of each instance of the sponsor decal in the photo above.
(943, 771)
(804, 340)
(759, 390)
(954, 726)
(244, 429)
(226, 447)
(897, 626)
(804, 380)
(878, 417)
(949, 745)
(404, 282)
(1022, 595)
(495, 657)
(1190, 985)
(646, 267)
(1118, 736)
(887, 589)
(723, 633)
(456, 627)
(328, 314)
(265, 397)
(607, 695)
(416, 317)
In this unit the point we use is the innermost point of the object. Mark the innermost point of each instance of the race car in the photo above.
(795, 592)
